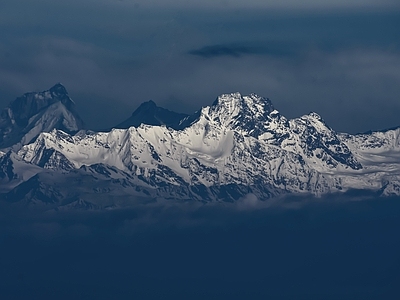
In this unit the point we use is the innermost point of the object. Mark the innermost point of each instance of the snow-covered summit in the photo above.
(250, 113)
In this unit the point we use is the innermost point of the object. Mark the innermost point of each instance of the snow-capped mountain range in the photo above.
(236, 146)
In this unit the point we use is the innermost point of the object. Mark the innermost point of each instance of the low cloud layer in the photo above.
(323, 248)
(43, 223)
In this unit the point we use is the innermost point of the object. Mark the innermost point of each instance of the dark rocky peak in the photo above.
(58, 89)
(148, 105)
(150, 114)
(35, 112)
(60, 93)
(29, 104)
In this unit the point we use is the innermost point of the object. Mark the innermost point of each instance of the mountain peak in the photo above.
(149, 113)
(316, 119)
(33, 112)
(29, 104)
(228, 98)
(249, 113)
(237, 101)
(148, 105)
(59, 92)
(59, 89)
(316, 116)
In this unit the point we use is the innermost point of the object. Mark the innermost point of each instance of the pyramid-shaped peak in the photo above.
(150, 114)
(247, 113)
(59, 92)
(59, 89)
(148, 105)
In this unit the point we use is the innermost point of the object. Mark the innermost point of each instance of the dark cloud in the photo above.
(240, 50)
(223, 50)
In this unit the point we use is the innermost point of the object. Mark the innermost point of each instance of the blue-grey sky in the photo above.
(338, 58)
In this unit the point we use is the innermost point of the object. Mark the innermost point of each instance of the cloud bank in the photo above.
(330, 248)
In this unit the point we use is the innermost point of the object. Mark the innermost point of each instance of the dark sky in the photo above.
(338, 58)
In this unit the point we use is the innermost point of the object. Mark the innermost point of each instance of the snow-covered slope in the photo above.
(13, 171)
(29, 115)
(379, 153)
(238, 145)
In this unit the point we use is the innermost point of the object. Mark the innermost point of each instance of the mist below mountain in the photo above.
(309, 249)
